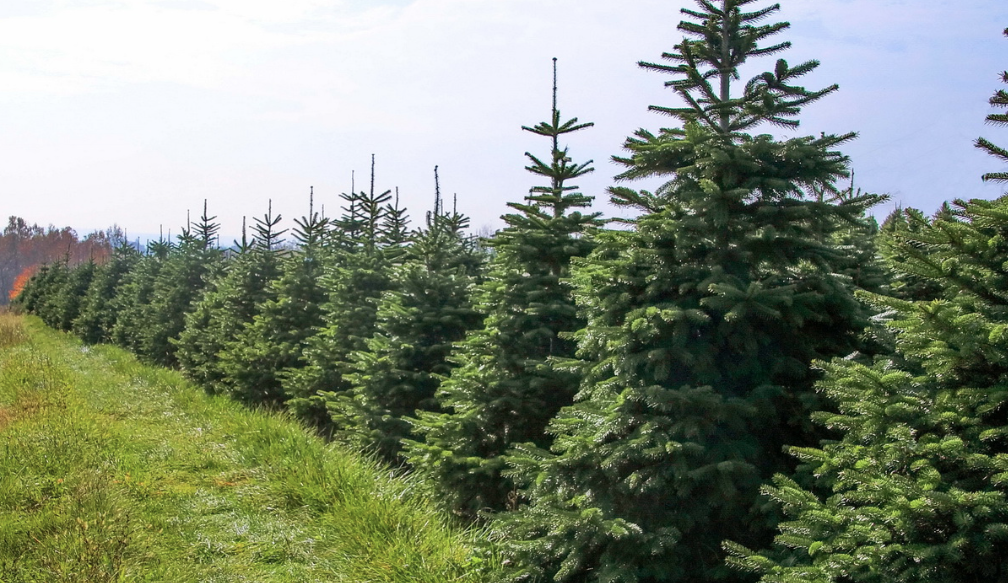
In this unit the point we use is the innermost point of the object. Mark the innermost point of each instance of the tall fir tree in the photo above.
(505, 386)
(427, 308)
(998, 100)
(916, 487)
(703, 320)
(914, 490)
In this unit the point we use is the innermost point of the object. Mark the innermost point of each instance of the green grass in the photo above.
(114, 471)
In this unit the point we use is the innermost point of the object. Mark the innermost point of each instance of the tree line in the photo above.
(749, 380)
(25, 247)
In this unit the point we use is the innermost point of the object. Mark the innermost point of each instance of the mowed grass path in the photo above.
(114, 471)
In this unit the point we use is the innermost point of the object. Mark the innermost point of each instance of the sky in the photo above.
(133, 112)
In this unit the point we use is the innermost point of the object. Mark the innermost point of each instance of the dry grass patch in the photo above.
(12, 330)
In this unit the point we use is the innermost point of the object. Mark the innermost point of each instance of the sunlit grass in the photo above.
(113, 471)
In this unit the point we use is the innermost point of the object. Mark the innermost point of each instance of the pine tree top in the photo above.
(712, 156)
(998, 100)
(719, 38)
(553, 202)
(310, 230)
(267, 236)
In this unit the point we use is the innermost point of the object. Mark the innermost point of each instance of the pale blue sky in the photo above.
(134, 111)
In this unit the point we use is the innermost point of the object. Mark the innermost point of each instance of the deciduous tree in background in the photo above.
(24, 248)
(21, 281)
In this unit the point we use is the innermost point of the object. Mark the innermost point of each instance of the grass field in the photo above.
(114, 471)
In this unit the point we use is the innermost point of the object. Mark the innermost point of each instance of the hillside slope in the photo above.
(115, 471)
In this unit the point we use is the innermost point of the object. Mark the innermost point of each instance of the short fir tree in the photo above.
(50, 285)
(134, 295)
(97, 314)
(230, 303)
(427, 308)
(188, 268)
(67, 303)
(30, 298)
(271, 345)
(353, 280)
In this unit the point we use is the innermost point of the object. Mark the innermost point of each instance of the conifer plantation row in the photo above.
(749, 380)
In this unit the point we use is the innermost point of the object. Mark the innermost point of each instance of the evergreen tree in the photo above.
(394, 234)
(97, 313)
(703, 320)
(271, 345)
(51, 286)
(187, 269)
(42, 291)
(914, 491)
(857, 241)
(505, 387)
(67, 304)
(230, 303)
(426, 309)
(31, 296)
(916, 488)
(134, 295)
(900, 224)
(354, 280)
(999, 100)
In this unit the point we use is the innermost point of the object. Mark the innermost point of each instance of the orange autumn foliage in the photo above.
(23, 244)
(21, 281)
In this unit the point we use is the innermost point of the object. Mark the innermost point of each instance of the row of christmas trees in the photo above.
(745, 381)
